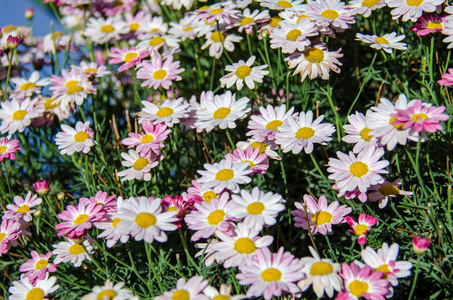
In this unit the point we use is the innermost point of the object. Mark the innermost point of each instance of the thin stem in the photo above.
(415, 278)
(229, 139)
(8, 74)
(7, 180)
(134, 268)
(186, 250)
(153, 269)
(282, 167)
(166, 261)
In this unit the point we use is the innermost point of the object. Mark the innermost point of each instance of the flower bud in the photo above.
(12, 42)
(41, 187)
(37, 213)
(420, 244)
(264, 33)
(29, 13)
(61, 196)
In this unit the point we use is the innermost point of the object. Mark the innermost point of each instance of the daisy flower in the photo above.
(216, 40)
(110, 291)
(315, 62)
(234, 250)
(111, 232)
(169, 112)
(448, 31)
(364, 7)
(90, 69)
(428, 24)
(155, 43)
(16, 116)
(361, 171)
(184, 28)
(78, 139)
(333, 13)
(270, 274)
(139, 165)
(101, 30)
(128, 57)
(383, 191)
(293, 36)
(190, 290)
(222, 112)
(300, 133)
(224, 293)
(358, 133)
(101, 198)
(202, 192)
(384, 260)
(361, 227)
(321, 274)
(143, 219)
(243, 72)
(149, 141)
(248, 19)
(9, 231)
(26, 88)
(224, 11)
(320, 216)
(256, 209)
(266, 147)
(411, 9)
(183, 205)
(281, 4)
(70, 88)
(25, 289)
(225, 175)
(209, 218)
(78, 219)
(387, 42)
(8, 147)
(22, 207)
(265, 125)
(73, 251)
(38, 267)
(258, 162)
(158, 73)
(447, 78)
(362, 282)
(420, 117)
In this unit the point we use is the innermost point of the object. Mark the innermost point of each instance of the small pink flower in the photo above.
(158, 73)
(182, 204)
(362, 282)
(22, 207)
(447, 78)
(149, 141)
(362, 227)
(8, 148)
(428, 24)
(420, 244)
(101, 198)
(128, 57)
(38, 266)
(258, 162)
(41, 187)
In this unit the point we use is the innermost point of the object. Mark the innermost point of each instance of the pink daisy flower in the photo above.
(351, 172)
(8, 147)
(159, 74)
(22, 207)
(78, 139)
(101, 198)
(70, 88)
(217, 12)
(447, 78)
(90, 69)
(41, 187)
(38, 266)
(79, 218)
(320, 216)
(270, 274)
(421, 117)
(361, 227)
(190, 289)
(127, 57)
(248, 19)
(139, 165)
(362, 282)
(111, 232)
(181, 204)
(266, 123)
(149, 141)
(201, 192)
(258, 162)
(428, 24)
(411, 10)
(383, 191)
(9, 231)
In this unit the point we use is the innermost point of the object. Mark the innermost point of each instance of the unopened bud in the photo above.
(12, 42)
(420, 245)
(264, 33)
(41, 187)
(61, 196)
(29, 13)
(37, 213)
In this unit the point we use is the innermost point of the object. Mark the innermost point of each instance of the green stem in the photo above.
(134, 268)
(229, 139)
(166, 261)
(186, 250)
(152, 267)
(7, 180)
(282, 167)
(8, 74)
(415, 278)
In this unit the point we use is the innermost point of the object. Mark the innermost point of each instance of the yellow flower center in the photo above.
(81, 136)
(434, 25)
(115, 222)
(224, 175)
(73, 87)
(130, 56)
(19, 115)
(246, 21)
(314, 55)
(209, 195)
(271, 274)
(173, 208)
(188, 28)
(358, 288)
(322, 217)
(385, 270)
(35, 294)
(110, 294)
(216, 217)
(243, 71)
(330, 14)
(414, 2)
(27, 86)
(369, 3)
(221, 297)
(284, 4)
(76, 249)
(255, 208)
(262, 146)
(244, 245)
(50, 103)
(134, 26)
(145, 220)
(107, 28)
(3, 149)
(251, 164)
(360, 229)
(2, 236)
(159, 74)
(305, 133)
(273, 125)
(419, 117)
(273, 22)
(397, 126)
(217, 37)
(140, 163)
(157, 40)
(23, 209)
(221, 113)
(81, 219)
(180, 295)
(90, 70)
(364, 134)
(321, 268)
(216, 11)
(293, 35)
(358, 169)
(381, 40)
(8, 28)
(389, 190)
(42, 263)
(164, 112)
(147, 138)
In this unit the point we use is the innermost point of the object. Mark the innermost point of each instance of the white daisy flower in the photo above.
(300, 133)
(110, 291)
(248, 19)
(23, 289)
(169, 112)
(387, 42)
(188, 290)
(333, 13)
(365, 7)
(243, 72)
(358, 133)
(78, 139)
(214, 42)
(16, 116)
(411, 9)
(265, 125)
(27, 87)
(293, 36)
(266, 146)
(72, 251)
(101, 30)
(257, 209)
(139, 165)
(282, 4)
(143, 219)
